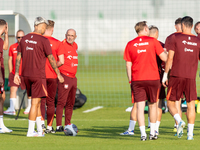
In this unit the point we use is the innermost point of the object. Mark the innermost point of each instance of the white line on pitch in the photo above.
(93, 109)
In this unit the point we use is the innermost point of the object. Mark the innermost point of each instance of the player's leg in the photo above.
(13, 98)
(190, 118)
(70, 101)
(141, 119)
(178, 106)
(50, 102)
(159, 115)
(29, 106)
(43, 110)
(63, 91)
(153, 118)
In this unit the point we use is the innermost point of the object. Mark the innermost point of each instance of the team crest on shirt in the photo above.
(66, 86)
(140, 39)
(32, 36)
(189, 38)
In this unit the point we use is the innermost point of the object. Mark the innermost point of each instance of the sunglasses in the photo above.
(19, 37)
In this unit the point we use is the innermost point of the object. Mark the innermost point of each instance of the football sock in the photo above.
(31, 126)
(142, 130)
(131, 125)
(29, 103)
(157, 126)
(148, 122)
(175, 125)
(1, 121)
(177, 118)
(49, 127)
(58, 127)
(42, 121)
(152, 128)
(39, 124)
(190, 129)
(12, 103)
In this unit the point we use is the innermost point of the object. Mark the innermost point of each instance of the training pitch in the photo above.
(98, 129)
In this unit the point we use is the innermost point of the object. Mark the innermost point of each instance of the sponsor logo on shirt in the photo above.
(189, 43)
(30, 41)
(69, 57)
(141, 44)
(14, 48)
(141, 51)
(74, 65)
(75, 57)
(188, 50)
(29, 48)
(14, 51)
(66, 86)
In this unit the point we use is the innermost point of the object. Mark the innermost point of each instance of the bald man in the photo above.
(67, 90)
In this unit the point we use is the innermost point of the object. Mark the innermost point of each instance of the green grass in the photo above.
(98, 130)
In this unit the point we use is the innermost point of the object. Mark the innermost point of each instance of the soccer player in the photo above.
(33, 49)
(197, 28)
(67, 90)
(167, 45)
(183, 59)
(154, 32)
(51, 76)
(3, 46)
(141, 65)
(13, 87)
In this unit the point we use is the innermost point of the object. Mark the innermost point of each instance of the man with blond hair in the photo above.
(142, 71)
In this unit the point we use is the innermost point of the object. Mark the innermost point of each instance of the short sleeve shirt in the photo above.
(13, 53)
(56, 51)
(69, 68)
(160, 63)
(186, 55)
(34, 49)
(142, 52)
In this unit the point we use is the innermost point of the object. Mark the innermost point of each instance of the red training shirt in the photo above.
(56, 51)
(13, 53)
(34, 49)
(69, 68)
(142, 51)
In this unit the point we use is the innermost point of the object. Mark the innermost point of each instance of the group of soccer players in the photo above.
(40, 64)
(152, 66)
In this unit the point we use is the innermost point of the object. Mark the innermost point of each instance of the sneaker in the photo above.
(34, 134)
(128, 132)
(50, 131)
(151, 137)
(189, 137)
(174, 130)
(148, 129)
(156, 133)
(60, 129)
(1, 131)
(43, 127)
(27, 110)
(40, 134)
(143, 138)
(6, 130)
(181, 125)
(9, 112)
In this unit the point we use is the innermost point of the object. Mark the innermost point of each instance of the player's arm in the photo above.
(52, 61)
(1, 75)
(17, 79)
(5, 44)
(128, 70)
(61, 60)
(10, 66)
(167, 67)
(163, 56)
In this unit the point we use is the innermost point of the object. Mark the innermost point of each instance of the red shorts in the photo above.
(36, 87)
(11, 81)
(146, 90)
(177, 86)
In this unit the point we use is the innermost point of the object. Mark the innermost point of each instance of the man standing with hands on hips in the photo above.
(67, 90)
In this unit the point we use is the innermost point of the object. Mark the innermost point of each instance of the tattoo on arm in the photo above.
(18, 62)
(53, 63)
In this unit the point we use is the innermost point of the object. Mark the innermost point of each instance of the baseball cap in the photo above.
(40, 20)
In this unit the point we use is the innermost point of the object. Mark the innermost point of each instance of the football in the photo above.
(71, 130)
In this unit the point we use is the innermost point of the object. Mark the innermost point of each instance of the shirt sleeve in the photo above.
(167, 43)
(158, 47)
(126, 53)
(47, 47)
(172, 43)
(10, 51)
(60, 50)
